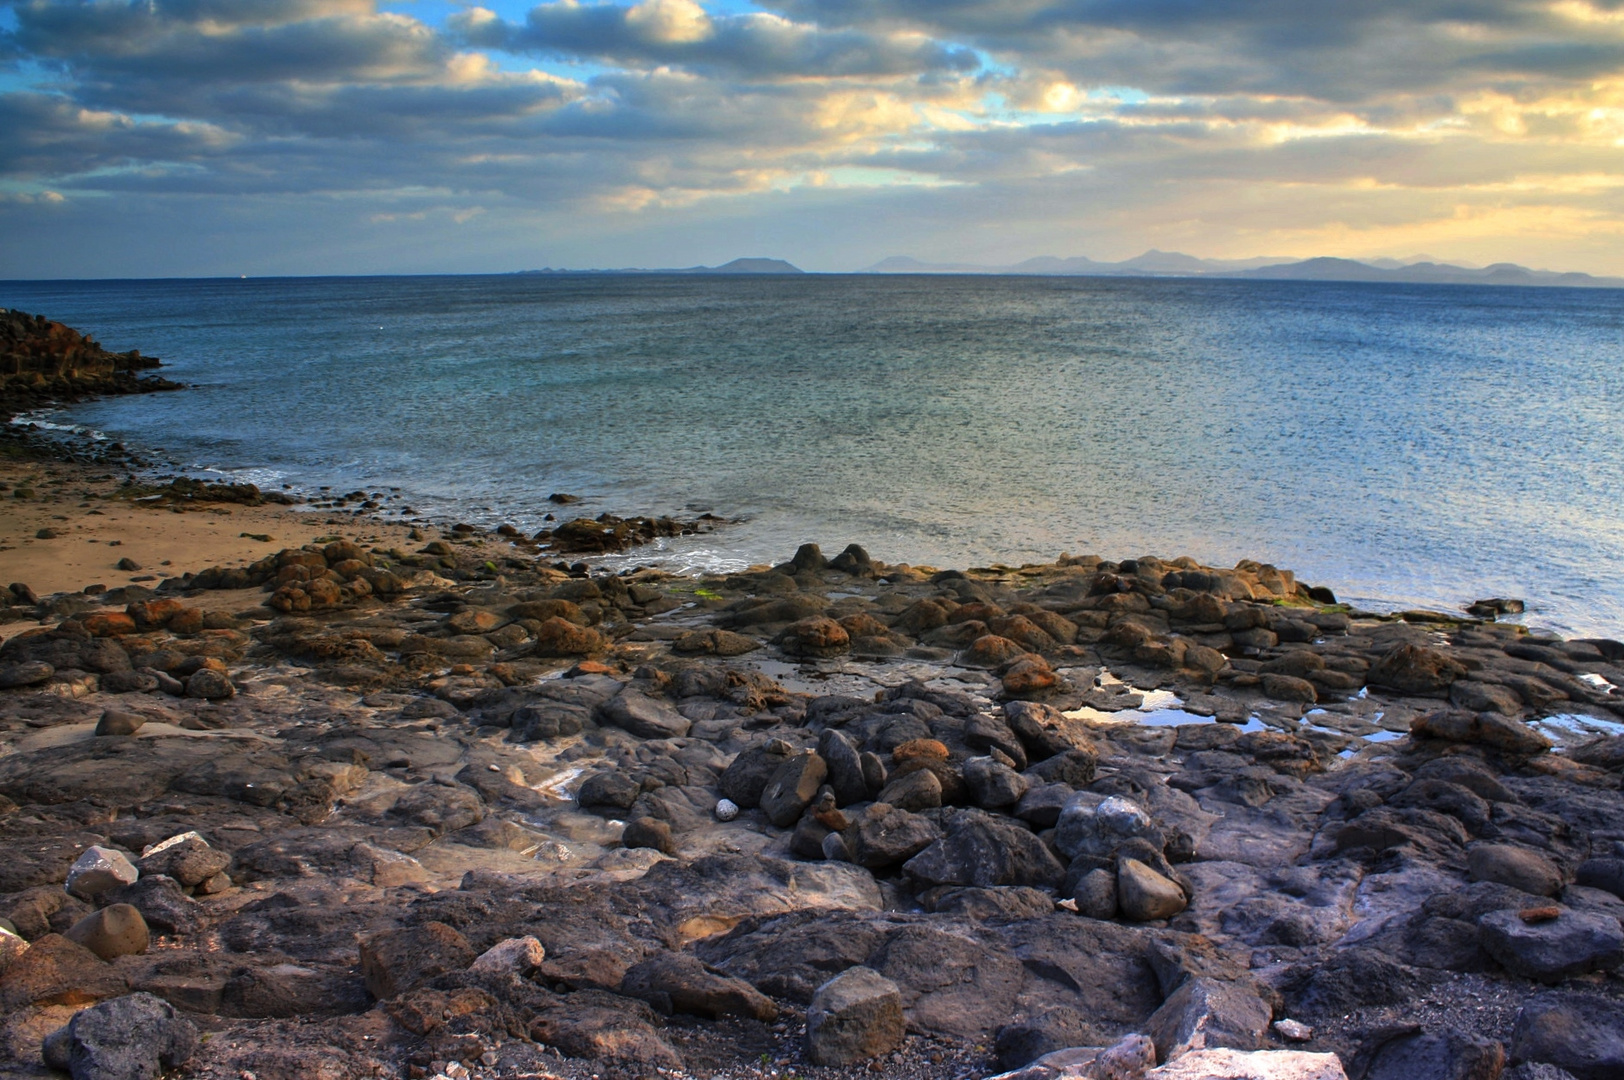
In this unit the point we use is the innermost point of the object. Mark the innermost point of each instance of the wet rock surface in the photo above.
(376, 813)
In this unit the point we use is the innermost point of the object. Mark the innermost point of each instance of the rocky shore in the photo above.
(390, 801)
(462, 809)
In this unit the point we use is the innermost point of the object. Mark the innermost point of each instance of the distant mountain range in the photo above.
(737, 266)
(1153, 263)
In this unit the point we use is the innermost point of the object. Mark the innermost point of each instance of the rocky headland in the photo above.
(389, 801)
(45, 362)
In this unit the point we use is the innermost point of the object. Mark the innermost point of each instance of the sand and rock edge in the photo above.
(459, 811)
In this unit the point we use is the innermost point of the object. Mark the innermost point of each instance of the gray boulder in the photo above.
(1573, 943)
(983, 850)
(135, 1037)
(854, 1016)
(647, 718)
(1581, 1033)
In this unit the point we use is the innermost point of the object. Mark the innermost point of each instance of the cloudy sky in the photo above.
(182, 137)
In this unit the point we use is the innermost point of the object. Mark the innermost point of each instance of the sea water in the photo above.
(1402, 444)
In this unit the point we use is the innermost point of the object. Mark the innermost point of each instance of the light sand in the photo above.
(97, 530)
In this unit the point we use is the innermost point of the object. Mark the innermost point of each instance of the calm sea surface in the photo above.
(1402, 444)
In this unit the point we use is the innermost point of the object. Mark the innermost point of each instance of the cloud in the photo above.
(1077, 126)
(679, 33)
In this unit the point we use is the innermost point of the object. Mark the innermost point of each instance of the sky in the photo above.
(220, 137)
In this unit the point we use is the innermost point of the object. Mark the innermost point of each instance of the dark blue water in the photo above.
(1400, 443)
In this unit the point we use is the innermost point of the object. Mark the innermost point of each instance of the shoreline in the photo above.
(309, 790)
(456, 802)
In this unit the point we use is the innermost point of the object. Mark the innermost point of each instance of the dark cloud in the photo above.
(678, 33)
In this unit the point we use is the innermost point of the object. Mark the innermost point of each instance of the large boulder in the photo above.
(1550, 950)
(680, 983)
(854, 1016)
(1096, 827)
(1415, 670)
(792, 787)
(885, 835)
(1497, 732)
(646, 717)
(135, 1037)
(1206, 1013)
(986, 850)
(396, 961)
(1582, 1033)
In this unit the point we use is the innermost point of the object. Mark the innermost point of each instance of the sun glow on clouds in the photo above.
(1492, 131)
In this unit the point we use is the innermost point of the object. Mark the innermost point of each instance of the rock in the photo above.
(985, 850)
(187, 858)
(1487, 729)
(396, 961)
(1484, 697)
(27, 673)
(1415, 670)
(162, 903)
(816, 637)
(1206, 1013)
(11, 947)
(918, 790)
(1096, 894)
(56, 971)
(1258, 1065)
(114, 722)
(1293, 1030)
(1420, 1055)
(649, 832)
(557, 636)
(747, 776)
(1518, 867)
(1097, 827)
(597, 1025)
(726, 810)
(886, 835)
(1573, 943)
(99, 870)
(135, 1037)
(854, 1016)
(514, 956)
(715, 643)
(845, 767)
(1289, 688)
(128, 682)
(386, 869)
(643, 716)
(615, 790)
(1144, 895)
(114, 931)
(791, 789)
(1073, 768)
(1029, 676)
(209, 684)
(993, 785)
(1603, 874)
(1581, 1033)
(1053, 1029)
(680, 983)
(440, 808)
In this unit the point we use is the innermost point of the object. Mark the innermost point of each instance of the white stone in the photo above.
(1293, 1030)
(726, 810)
(1251, 1065)
(164, 845)
(99, 870)
(517, 956)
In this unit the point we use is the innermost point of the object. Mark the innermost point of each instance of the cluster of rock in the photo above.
(43, 361)
(459, 816)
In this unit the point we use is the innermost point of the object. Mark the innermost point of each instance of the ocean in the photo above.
(1405, 445)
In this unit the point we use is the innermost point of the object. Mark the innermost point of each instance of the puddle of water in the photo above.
(1253, 724)
(563, 785)
(1382, 736)
(1598, 682)
(1571, 729)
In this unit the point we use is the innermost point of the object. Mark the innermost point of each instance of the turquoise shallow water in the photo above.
(1401, 444)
